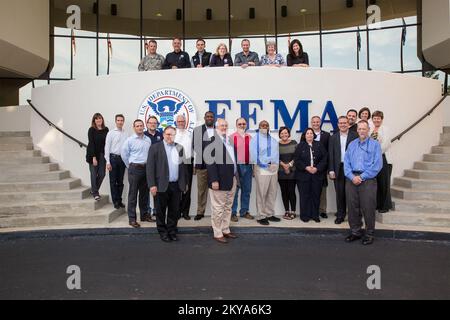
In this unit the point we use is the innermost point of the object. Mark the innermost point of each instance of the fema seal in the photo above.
(166, 104)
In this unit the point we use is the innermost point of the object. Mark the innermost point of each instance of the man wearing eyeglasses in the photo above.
(241, 143)
(362, 163)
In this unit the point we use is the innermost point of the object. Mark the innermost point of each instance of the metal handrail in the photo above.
(51, 124)
(421, 119)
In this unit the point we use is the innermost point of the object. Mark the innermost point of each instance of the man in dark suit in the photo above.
(201, 137)
(336, 151)
(222, 181)
(167, 179)
(323, 137)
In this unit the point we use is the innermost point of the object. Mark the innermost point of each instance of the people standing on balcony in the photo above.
(201, 137)
(246, 58)
(323, 137)
(272, 58)
(153, 60)
(222, 57)
(114, 164)
(365, 114)
(297, 57)
(241, 143)
(381, 134)
(363, 161)
(95, 153)
(134, 154)
(265, 157)
(184, 138)
(286, 172)
(311, 161)
(352, 116)
(201, 58)
(177, 59)
(338, 145)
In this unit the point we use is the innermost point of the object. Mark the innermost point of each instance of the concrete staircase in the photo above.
(422, 195)
(36, 193)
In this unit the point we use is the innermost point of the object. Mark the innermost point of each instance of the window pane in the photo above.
(411, 61)
(262, 23)
(163, 18)
(61, 60)
(385, 49)
(59, 15)
(125, 55)
(84, 61)
(127, 20)
(197, 24)
(393, 11)
(336, 15)
(302, 16)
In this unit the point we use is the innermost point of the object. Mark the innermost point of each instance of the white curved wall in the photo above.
(402, 98)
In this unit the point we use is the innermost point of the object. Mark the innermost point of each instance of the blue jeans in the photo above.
(245, 177)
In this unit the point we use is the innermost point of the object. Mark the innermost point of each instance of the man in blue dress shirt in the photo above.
(134, 155)
(362, 163)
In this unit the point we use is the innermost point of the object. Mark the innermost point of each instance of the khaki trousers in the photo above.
(202, 191)
(266, 193)
(221, 203)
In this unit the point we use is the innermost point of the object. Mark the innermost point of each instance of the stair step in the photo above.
(434, 166)
(105, 215)
(13, 155)
(78, 193)
(422, 184)
(422, 206)
(14, 133)
(415, 194)
(12, 140)
(22, 169)
(24, 161)
(16, 146)
(441, 149)
(428, 174)
(65, 184)
(43, 176)
(416, 219)
(61, 208)
(433, 157)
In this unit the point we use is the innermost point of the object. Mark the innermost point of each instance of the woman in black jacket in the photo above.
(297, 57)
(95, 154)
(222, 57)
(311, 163)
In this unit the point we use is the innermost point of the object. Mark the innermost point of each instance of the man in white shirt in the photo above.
(114, 164)
(184, 138)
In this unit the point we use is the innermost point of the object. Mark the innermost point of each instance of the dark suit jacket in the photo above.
(334, 150)
(158, 168)
(222, 169)
(199, 142)
(324, 139)
(302, 159)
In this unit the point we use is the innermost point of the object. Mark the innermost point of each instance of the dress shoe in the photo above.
(305, 220)
(338, 221)
(367, 241)
(352, 238)
(324, 215)
(198, 217)
(230, 235)
(116, 206)
(135, 224)
(383, 211)
(274, 219)
(165, 238)
(173, 237)
(317, 220)
(221, 240)
(249, 216)
(148, 218)
(234, 218)
(186, 217)
(121, 205)
(264, 222)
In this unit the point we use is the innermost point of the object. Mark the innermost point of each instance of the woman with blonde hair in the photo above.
(272, 58)
(222, 57)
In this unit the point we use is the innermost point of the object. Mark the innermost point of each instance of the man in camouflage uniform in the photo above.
(153, 61)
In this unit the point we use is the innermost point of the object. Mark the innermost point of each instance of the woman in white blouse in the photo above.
(380, 133)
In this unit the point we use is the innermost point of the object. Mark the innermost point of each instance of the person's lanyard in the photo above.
(269, 150)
